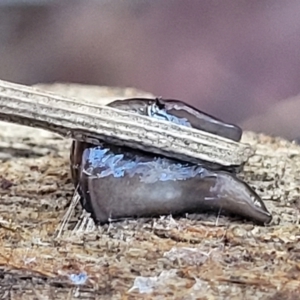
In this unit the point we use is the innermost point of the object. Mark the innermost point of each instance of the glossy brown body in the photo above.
(195, 117)
(114, 197)
(110, 197)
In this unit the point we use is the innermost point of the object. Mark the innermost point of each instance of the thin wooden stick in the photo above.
(89, 122)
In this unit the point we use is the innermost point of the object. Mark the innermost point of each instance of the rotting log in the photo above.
(215, 256)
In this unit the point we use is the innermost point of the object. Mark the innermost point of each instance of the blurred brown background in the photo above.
(238, 60)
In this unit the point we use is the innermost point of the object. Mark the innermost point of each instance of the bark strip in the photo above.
(89, 122)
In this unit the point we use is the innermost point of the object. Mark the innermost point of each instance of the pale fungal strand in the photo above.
(86, 122)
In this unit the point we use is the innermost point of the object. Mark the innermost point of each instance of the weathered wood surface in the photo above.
(87, 122)
(202, 257)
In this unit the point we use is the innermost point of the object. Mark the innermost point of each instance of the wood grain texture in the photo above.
(90, 122)
(201, 257)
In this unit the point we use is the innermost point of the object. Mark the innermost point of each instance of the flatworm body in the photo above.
(180, 113)
(118, 182)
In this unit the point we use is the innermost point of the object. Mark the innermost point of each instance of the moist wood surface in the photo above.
(199, 257)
